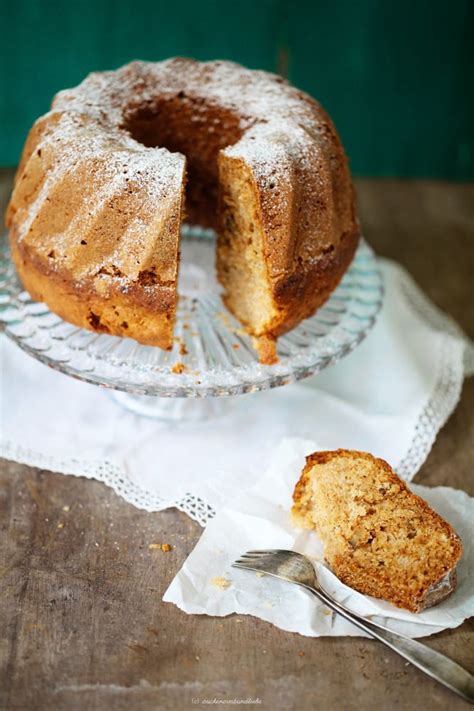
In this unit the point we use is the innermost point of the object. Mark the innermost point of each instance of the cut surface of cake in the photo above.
(108, 175)
(379, 537)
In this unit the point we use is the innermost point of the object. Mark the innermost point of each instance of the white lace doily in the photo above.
(390, 396)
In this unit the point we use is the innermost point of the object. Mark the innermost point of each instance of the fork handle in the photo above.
(433, 663)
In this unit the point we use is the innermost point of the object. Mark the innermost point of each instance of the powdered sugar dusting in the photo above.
(117, 169)
(282, 135)
(253, 95)
(259, 99)
(283, 129)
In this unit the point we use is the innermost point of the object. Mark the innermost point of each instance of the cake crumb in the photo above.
(182, 349)
(218, 581)
(178, 368)
(165, 547)
(60, 524)
(66, 508)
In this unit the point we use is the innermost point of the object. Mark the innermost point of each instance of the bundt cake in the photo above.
(107, 176)
(379, 537)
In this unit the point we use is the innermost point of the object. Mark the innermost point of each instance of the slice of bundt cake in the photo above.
(379, 537)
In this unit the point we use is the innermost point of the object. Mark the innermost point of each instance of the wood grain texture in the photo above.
(83, 625)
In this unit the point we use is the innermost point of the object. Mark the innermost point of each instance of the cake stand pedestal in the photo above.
(212, 359)
(176, 409)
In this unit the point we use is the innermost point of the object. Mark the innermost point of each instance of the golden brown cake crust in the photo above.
(99, 193)
(83, 307)
(420, 593)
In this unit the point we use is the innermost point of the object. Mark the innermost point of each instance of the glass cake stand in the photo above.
(212, 358)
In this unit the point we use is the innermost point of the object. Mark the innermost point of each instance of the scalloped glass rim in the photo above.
(217, 355)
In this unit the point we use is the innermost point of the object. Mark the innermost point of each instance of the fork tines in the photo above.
(252, 558)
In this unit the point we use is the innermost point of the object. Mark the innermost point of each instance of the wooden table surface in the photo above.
(83, 625)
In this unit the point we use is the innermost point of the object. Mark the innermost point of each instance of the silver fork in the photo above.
(296, 568)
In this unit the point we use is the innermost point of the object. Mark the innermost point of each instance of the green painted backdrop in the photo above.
(397, 77)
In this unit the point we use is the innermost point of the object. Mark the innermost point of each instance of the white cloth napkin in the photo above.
(259, 519)
(390, 397)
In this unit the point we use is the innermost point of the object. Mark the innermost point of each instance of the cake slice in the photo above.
(379, 537)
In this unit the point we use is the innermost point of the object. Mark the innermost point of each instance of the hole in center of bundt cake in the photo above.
(190, 126)
(219, 194)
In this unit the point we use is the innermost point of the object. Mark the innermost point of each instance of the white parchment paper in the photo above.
(260, 519)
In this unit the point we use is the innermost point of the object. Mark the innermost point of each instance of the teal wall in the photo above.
(397, 77)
